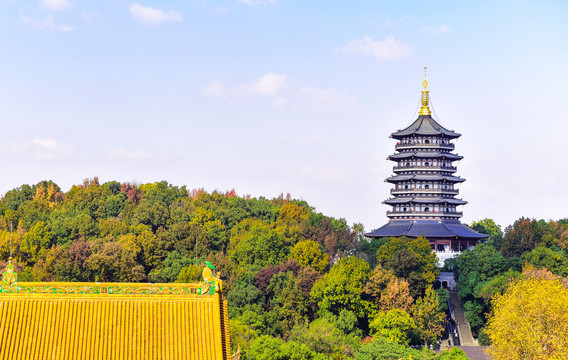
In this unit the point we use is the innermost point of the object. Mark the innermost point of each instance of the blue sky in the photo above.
(282, 96)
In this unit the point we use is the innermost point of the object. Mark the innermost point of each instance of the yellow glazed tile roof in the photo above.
(112, 321)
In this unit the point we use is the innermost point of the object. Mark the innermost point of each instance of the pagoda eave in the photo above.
(424, 155)
(424, 200)
(418, 177)
(425, 125)
(427, 228)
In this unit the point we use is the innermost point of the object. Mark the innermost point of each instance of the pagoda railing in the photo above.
(108, 289)
(430, 191)
(414, 213)
(427, 146)
(425, 168)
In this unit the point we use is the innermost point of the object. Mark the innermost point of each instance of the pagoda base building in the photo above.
(424, 189)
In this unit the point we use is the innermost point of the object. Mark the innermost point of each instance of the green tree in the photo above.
(239, 335)
(115, 261)
(394, 325)
(172, 266)
(36, 241)
(288, 301)
(452, 354)
(489, 227)
(429, 319)
(323, 337)
(342, 288)
(496, 285)
(410, 259)
(259, 244)
(270, 348)
(475, 268)
(383, 349)
(554, 261)
(443, 297)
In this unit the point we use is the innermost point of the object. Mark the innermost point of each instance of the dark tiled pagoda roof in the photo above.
(425, 177)
(426, 228)
(426, 126)
(424, 154)
(424, 200)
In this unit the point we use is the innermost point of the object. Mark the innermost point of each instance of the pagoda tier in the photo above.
(423, 202)
(421, 177)
(423, 128)
(424, 154)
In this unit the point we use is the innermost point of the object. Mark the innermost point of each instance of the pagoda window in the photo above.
(426, 209)
(426, 141)
(406, 186)
(407, 164)
(427, 164)
(426, 186)
(404, 210)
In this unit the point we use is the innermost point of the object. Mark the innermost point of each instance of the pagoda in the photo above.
(424, 189)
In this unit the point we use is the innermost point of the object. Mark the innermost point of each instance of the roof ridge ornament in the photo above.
(211, 284)
(9, 282)
(425, 109)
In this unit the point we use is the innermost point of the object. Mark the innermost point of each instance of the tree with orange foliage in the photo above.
(396, 296)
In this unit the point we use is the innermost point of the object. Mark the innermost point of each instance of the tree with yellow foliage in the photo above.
(308, 253)
(530, 320)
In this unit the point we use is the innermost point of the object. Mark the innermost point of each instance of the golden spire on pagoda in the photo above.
(425, 109)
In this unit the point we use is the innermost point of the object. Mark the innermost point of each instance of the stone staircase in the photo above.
(476, 352)
(458, 314)
(468, 343)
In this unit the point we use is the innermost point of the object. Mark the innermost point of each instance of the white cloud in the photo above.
(37, 148)
(150, 16)
(387, 49)
(54, 4)
(215, 88)
(269, 84)
(45, 24)
(438, 30)
(49, 145)
(277, 88)
(117, 154)
(257, 2)
(280, 101)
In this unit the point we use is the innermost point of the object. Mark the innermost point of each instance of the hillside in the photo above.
(310, 285)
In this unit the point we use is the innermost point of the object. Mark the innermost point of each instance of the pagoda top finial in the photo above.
(425, 109)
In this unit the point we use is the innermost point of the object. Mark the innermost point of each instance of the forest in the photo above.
(311, 286)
